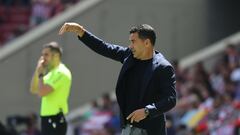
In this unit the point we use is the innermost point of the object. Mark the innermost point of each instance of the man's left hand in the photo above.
(137, 115)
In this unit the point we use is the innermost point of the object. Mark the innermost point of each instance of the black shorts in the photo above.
(54, 125)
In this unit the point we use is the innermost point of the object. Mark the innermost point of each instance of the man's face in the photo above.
(137, 45)
(47, 57)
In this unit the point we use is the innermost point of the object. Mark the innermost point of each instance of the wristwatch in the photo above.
(146, 111)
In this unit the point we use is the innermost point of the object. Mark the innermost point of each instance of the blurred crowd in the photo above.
(101, 119)
(208, 101)
(20, 125)
(18, 16)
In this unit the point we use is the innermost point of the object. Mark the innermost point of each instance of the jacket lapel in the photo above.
(126, 65)
(119, 92)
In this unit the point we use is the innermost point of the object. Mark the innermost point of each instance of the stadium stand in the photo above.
(17, 17)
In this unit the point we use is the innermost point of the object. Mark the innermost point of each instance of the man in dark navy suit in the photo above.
(146, 84)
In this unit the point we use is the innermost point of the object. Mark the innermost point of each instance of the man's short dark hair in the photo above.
(54, 47)
(145, 31)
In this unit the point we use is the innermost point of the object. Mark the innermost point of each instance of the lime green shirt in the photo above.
(59, 79)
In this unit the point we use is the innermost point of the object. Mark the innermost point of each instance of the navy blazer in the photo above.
(158, 91)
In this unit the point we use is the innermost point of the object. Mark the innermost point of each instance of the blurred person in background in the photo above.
(107, 102)
(41, 12)
(31, 124)
(146, 85)
(2, 129)
(231, 56)
(52, 81)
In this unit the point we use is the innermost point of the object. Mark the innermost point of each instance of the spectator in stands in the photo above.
(217, 77)
(3, 129)
(231, 56)
(201, 76)
(52, 82)
(230, 87)
(41, 11)
(32, 128)
(146, 84)
(107, 102)
(235, 78)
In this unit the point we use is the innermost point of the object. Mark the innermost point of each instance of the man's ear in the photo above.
(147, 42)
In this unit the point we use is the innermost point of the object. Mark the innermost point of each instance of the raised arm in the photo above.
(112, 51)
(37, 86)
(72, 27)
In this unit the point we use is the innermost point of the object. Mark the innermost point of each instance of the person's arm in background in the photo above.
(37, 86)
(34, 83)
(112, 51)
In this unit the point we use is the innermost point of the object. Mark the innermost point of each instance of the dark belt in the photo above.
(54, 119)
